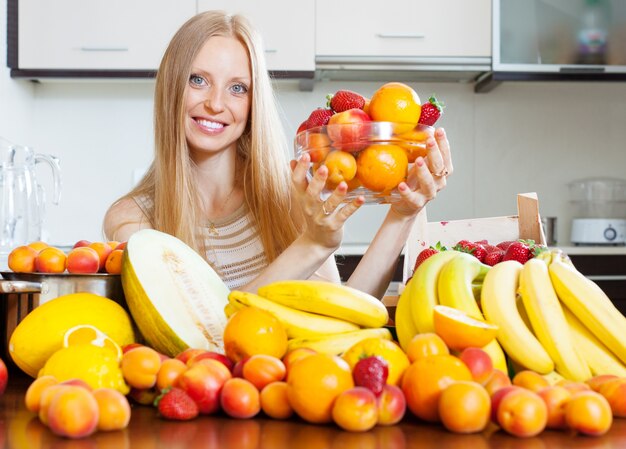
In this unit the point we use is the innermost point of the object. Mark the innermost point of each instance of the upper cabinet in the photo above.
(397, 29)
(79, 35)
(286, 26)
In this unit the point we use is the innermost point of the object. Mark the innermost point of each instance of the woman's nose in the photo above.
(214, 102)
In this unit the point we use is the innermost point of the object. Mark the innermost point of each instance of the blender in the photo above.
(599, 211)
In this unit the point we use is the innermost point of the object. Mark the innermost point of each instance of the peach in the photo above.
(391, 405)
(263, 369)
(73, 412)
(596, 381)
(50, 260)
(465, 407)
(103, 251)
(499, 379)
(296, 354)
(211, 355)
(479, 364)
(589, 413)
(121, 246)
(140, 367)
(204, 382)
(81, 243)
(38, 246)
(169, 371)
(34, 391)
(113, 409)
(614, 390)
(113, 263)
(143, 396)
(355, 409)
(522, 413)
(555, 398)
(352, 136)
(530, 380)
(83, 260)
(274, 402)
(240, 398)
(189, 353)
(22, 259)
(130, 347)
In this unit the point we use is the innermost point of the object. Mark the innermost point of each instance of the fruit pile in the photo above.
(85, 257)
(365, 142)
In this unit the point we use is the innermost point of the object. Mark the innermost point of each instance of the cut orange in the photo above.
(460, 330)
(86, 334)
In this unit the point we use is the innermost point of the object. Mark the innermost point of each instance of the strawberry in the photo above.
(371, 372)
(175, 403)
(519, 251)
(431, 111)
(319, 117)
(504, 245)
(426, 253)
(475, 249)
(493, 257)
(343, 100)
(302, 127)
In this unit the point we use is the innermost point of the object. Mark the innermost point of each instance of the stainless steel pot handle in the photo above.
(20, 287)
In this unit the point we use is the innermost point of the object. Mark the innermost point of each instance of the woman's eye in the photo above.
(196, 80)
(239, 89)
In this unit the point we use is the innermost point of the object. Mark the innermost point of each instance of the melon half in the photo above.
(175, 298)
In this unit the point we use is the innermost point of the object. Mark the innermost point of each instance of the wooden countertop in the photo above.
(20, 429)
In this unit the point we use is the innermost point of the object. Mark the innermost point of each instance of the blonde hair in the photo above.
(265, 176)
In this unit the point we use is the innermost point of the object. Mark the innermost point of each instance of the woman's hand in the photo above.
(325, 219)
(427, 177)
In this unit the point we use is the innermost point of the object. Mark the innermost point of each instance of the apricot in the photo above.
(530, 380)
(596, 381)
(556, 398)
(45, 400)
(113, 244)
(34, 391)
(391, 405)
(113, 264)
(589, 413)
(140, 367)
(113, 409)
(38, 246)
(274, 402)
(499, 379)
(479, 364)
(240, 398)
(169, 372)
(422, 345)
(263, 369)
(355, 409)
(522, 413)
(73, 412)
(143, 396)
(22, 259)
(103, 250)
(497, 397)
(188, 354)
(294, 355)
(83, 259)
(614, 390)
(81, 243)
(465, 407)
(50, 260)
(573, 386)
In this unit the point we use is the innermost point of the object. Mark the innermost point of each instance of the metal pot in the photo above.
(50, 286)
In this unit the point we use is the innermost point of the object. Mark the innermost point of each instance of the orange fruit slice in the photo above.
(86, 334)
(460, 330)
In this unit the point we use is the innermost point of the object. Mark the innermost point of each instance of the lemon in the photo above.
(97, 366)
(41, 332)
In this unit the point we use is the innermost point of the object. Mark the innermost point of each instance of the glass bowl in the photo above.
(372, 157)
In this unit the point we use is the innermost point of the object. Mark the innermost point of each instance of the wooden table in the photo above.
(20, 429)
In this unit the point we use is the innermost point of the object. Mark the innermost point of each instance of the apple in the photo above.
(4, 376)
(353, 135)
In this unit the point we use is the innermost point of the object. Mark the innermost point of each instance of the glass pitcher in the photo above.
(22, 198)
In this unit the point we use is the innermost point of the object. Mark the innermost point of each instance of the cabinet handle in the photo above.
(103, 48)
(271, 50)
(607, 277)
(400, 36)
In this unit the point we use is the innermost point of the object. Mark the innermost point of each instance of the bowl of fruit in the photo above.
(370, 144)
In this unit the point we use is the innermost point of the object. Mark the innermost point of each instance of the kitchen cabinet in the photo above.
(287, 29)
(350, 30)
(87, 35)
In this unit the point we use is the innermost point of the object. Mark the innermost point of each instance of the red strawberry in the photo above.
(493, 257)
(371, 372)
(475, 249)
(176, 404)
(431, 111)
(344, 100)
(318, 117)
(302, 127)
(504, 245)
(519, 251)
(426, 253)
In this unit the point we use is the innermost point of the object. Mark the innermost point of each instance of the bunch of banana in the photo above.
(324, 316)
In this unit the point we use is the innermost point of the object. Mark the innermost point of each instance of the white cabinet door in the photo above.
(286, 26)
(96, 34)
(403, 28)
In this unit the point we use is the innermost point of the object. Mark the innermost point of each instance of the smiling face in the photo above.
(218, 96)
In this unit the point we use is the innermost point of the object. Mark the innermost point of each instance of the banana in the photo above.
(585, 299)
(553, 377)
(422, 290)
(498, 301)
(548, 320)
(405, 327)
(597, 356)
(330, 299)
(337, 344)
(230, 309)
(454, 285)
(498, 358)
(298, 324)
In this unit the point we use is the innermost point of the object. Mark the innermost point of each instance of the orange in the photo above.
(426, 378)
(460, 330)
(396, 102)
(341, 167)
(395, 357)
(86, 334)
(253, 331)
(423, 345)
(314, 383)
(465, 407)
(414, 141)
(381, 168)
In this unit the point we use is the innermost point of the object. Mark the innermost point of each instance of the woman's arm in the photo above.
(124, 218)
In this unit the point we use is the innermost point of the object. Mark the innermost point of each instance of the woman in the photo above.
(220, 180)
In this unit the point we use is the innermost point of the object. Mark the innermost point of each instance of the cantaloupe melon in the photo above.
(175, 298)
